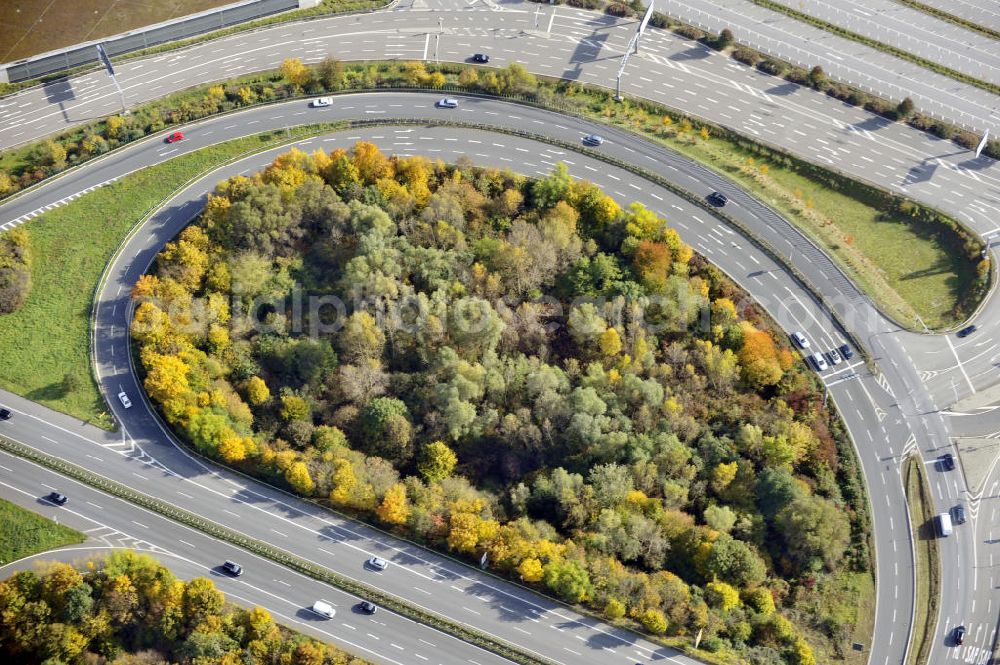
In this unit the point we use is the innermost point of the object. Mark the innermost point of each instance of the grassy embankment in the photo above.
(23, 533)
(921, 508)
(48, 338)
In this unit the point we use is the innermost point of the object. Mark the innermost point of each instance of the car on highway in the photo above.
(324, 609)
(834, 357)
(233, 568)
(320, 101)
(593, 139)
(174, 138)
(5, 414)
(846, 351)
(718, 199)
(819, 362)
(800, 340)
(959, 513)
(947, 462)
(967, 330)
(378, 563)
(481, 58)
(126, 402)
(447, 103)
(367, 607)
(57, 498)
(959, 635)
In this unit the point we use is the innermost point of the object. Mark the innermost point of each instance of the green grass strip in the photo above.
(23, 533)
(881, 46)
(280, 556)
(928, 575)
(45, 345)
(984, 30)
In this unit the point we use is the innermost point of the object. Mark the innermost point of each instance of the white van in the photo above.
(324, 609)
(944, 525)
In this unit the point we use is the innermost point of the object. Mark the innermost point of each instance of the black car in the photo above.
(959, 512)
(718, 199)
(846, 352)
(481, 57)
(966, 331)
(367, 606)
(57, 498)
(959, 635)
(948, 462)
(233, 568)
(5, 414)
(593, 139)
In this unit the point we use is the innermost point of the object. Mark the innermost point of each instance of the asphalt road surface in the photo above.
(911, 30)
(864, 402)
(112, 523)
(981, 12)
(898, 408)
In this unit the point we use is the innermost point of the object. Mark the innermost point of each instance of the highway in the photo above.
(110, 523)
(913, 31)
(577, 46)
(879, 442)
(897, 410)
(980, 12)
(843, 59)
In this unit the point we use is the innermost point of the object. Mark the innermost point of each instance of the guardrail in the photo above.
(488, 642)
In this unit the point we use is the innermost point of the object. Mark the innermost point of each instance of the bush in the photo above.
(658, 20)
(747, 56)
(882, 107)
(690, 32)
(585, 4)
(15, 270)
(772, 67)
(724, 40)
(968, 140)
(617, 9)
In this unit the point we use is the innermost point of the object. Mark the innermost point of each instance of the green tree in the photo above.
(437, 462)
(385, 427)
(568, 580)
(553, 188)
(816, 533)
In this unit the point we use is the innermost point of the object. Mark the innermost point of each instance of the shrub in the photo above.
(690, 32)
(747, 56)
(772, 67)
(658, 20)
(724, 40)
(585, 4)
(617, 9)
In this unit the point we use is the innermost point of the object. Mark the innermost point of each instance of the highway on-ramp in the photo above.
(270, 515)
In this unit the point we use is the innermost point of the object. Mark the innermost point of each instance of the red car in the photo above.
(175, 137)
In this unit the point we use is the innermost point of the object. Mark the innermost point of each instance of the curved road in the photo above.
(861, 397)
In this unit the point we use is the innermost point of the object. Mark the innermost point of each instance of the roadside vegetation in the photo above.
(45, 343)
(23, 533)
(494, 386)
(15, 269)
(928, 574)
(916, 263)
(128, 608)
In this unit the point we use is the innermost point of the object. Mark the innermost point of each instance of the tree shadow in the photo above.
(52, 391)
(694, 53)
(783, 90)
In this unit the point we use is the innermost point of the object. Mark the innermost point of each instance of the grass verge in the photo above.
(880, 46)
(23, 533)
(921, 508)
(952, 18)
(45, 345)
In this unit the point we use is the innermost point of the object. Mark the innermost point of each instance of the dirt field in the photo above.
(29, 27)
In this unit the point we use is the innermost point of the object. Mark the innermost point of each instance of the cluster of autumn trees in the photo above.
(15, 269)
(128, 609)
(518, 368)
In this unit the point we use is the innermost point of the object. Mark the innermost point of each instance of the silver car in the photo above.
(800, 340)
(447, 103)
(378, 563)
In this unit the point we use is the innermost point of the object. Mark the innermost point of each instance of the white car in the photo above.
(800, 340)
(321, 101)
(819, 362)
(447, 103)
(834, 357)
(378, 563)
(126, 402)
(325, 610)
